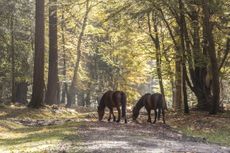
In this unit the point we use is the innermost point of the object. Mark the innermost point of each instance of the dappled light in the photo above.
(114, 76)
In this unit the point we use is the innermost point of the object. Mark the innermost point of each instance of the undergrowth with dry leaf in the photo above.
(55, 128)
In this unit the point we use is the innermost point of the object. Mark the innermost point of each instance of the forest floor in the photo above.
(55, 129)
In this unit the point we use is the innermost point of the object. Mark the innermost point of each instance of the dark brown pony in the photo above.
(151, 102)
(113, 99)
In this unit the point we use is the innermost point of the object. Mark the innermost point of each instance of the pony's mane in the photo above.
(141, 101)
(102, 102)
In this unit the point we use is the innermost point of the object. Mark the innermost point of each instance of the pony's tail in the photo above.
(159, 114)
(123, 104)
(160, 106)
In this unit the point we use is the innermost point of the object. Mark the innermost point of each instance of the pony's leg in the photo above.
(163, 114)
(110, 112)
(119, 114)
(155, 111)
(114, 117)
(149, 115)
(125, 119)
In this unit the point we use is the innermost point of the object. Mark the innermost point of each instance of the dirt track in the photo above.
(145, 137)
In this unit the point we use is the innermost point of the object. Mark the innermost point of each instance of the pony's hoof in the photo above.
(109, 120)
(114, 119)
(126, 121)
(154, 122)
(118, 121)
(149, 121)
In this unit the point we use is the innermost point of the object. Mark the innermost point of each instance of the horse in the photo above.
(113, 99)
(151, 102)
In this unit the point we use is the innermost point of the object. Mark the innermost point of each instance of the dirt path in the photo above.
(86, 134)
(113, 137)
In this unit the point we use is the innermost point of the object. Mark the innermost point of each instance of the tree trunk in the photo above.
(12, 59)
(65, 85)
(38, 76)
(178, 82)
(199, 71)
(177, 90)
(72, 89)
(80, 98)
(186, 106)
(170, 71)
(21, 92)
(156, 43)
(182, 24)
(87, 99)
(209, 45)
(52, 87)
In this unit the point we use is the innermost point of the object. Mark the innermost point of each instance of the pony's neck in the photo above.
(140, 104)
(102, 104)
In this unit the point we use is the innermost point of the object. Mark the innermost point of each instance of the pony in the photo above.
(113, 99)
(151, 102)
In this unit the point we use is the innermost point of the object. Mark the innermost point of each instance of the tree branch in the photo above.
(226, 54)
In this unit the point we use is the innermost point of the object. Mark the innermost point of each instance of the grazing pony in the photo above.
(151, 102)
(113, 99)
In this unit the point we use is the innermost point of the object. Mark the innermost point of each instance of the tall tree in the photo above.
(52, 87)
(157, 45)
(38, 75)
(209, 46)
(72, 88)
(65, 85)
(12, 58)
(183, 34)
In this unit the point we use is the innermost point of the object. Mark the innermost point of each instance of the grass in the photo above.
(15, 137)
(219, 136)
(38, 139)
(215, 129)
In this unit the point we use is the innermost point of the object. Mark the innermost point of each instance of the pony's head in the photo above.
(100, 112)
(135, 113)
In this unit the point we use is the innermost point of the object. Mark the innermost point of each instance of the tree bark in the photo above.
(72, 88)
(178, 82)
(38, 76)
(12, 59)
(156, 42)
(209, 45)
(178, 89)
(21, 92)
(52, 87)
(65, 85)
(88, 98)
(186, 106)
(182, 24)
(198, 72)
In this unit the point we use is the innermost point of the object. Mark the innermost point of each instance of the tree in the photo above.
(156, 42)
(12, 58)
(38, 75)
(72, 88)
(65, 85)
(209, 46)
(53, 83)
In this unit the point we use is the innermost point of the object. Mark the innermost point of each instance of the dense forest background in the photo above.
(69, 52)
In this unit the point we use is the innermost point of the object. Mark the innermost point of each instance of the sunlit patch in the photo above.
(99, 128)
